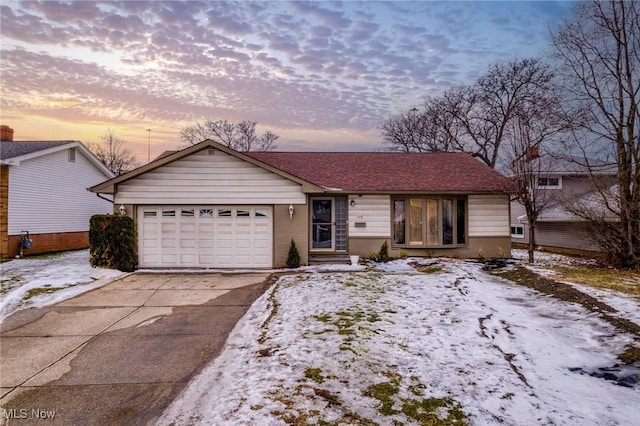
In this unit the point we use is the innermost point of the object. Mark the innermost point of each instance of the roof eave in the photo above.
(415, 192)
(109, 186)
(17, 160)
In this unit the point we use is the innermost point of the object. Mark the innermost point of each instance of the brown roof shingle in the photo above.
(388, 172)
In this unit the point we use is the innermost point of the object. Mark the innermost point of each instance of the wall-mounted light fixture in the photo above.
(122, 210)
(290, 211)
(353, 203)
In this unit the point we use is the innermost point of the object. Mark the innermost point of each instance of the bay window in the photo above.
(429, 221)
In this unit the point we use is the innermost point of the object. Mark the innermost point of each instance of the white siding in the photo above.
(489, 216)
(49, 194)
(374, 211)
(217, 178)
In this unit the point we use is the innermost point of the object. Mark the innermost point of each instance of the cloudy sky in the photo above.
(321, 75)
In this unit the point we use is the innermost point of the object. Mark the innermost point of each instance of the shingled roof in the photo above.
(10, 149)
(388, 172)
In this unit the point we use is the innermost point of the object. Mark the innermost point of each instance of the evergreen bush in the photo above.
(293, 258)
(383, 254)
(113, 242)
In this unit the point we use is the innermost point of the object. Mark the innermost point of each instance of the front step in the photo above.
(333, 258)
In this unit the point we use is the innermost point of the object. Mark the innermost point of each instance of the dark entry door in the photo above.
(322, 229)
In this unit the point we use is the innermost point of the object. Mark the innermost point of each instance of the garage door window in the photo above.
(187, 213)
(261, 214)
(168, 213)
(150, 213)
(243, 213)
(206, 212)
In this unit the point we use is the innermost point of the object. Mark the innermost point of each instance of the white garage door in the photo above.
(206, 236)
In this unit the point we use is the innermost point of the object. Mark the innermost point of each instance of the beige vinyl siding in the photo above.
(49, 194)
(374, 211)
(572, 235)
(489, 216)
(217, 178)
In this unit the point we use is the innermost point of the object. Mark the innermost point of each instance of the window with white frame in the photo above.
(429, 221)
(71, 155)
(517, 231)
(549, 182)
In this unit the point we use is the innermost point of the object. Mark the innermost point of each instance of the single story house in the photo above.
(43, 193)
(208, 206)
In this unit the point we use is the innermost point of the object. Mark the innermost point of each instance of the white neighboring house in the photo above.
(43, 191)
(557, 227)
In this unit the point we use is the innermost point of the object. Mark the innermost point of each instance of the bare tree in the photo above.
(407, 131)
(114, 153)
(431, 129)
(239, 136)
(529, 130)
(473, 119)
(598, 52)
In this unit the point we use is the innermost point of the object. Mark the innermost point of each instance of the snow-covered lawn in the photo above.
(48, 279)
(391, 345)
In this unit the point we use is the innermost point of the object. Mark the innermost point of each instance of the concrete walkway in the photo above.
(119, 354)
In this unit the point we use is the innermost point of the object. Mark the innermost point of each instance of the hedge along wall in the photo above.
(113, 242)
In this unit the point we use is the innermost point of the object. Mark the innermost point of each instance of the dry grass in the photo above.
(624, 281)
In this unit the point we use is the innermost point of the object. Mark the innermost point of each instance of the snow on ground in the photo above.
(394, 345)
(53, 277)
(625, 304)
(548, 258)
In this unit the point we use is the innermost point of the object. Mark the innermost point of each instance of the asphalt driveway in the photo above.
(119, 354)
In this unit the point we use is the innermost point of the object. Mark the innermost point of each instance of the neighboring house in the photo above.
(210, 206)
(567, 181)
(43, 191)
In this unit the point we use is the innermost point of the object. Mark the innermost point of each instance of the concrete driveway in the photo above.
(119, 354)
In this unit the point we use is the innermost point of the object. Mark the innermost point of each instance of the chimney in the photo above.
(6, 133)
(532, 153)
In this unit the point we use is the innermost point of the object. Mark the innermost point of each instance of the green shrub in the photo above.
(293, 258)
(381, 256)
(112, 242)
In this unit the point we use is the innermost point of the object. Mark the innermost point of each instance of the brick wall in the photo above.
(44, 243)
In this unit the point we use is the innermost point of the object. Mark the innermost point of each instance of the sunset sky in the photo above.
(321, 75)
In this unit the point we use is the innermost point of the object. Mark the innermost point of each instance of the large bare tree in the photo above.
(529, 131)
(475, 118)
(114, 153)
(239, 136)
(598, 52)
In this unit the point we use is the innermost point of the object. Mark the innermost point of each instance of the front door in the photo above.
(329, 224)
(322, 220)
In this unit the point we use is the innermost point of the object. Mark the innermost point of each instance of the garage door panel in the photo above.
(206, 236)
(261, 243)
(188, 228)
(224, 243)
(243, 243)
(169, 242)
(205, 243)
(150, 243)
(187, 243)
(151, 259)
